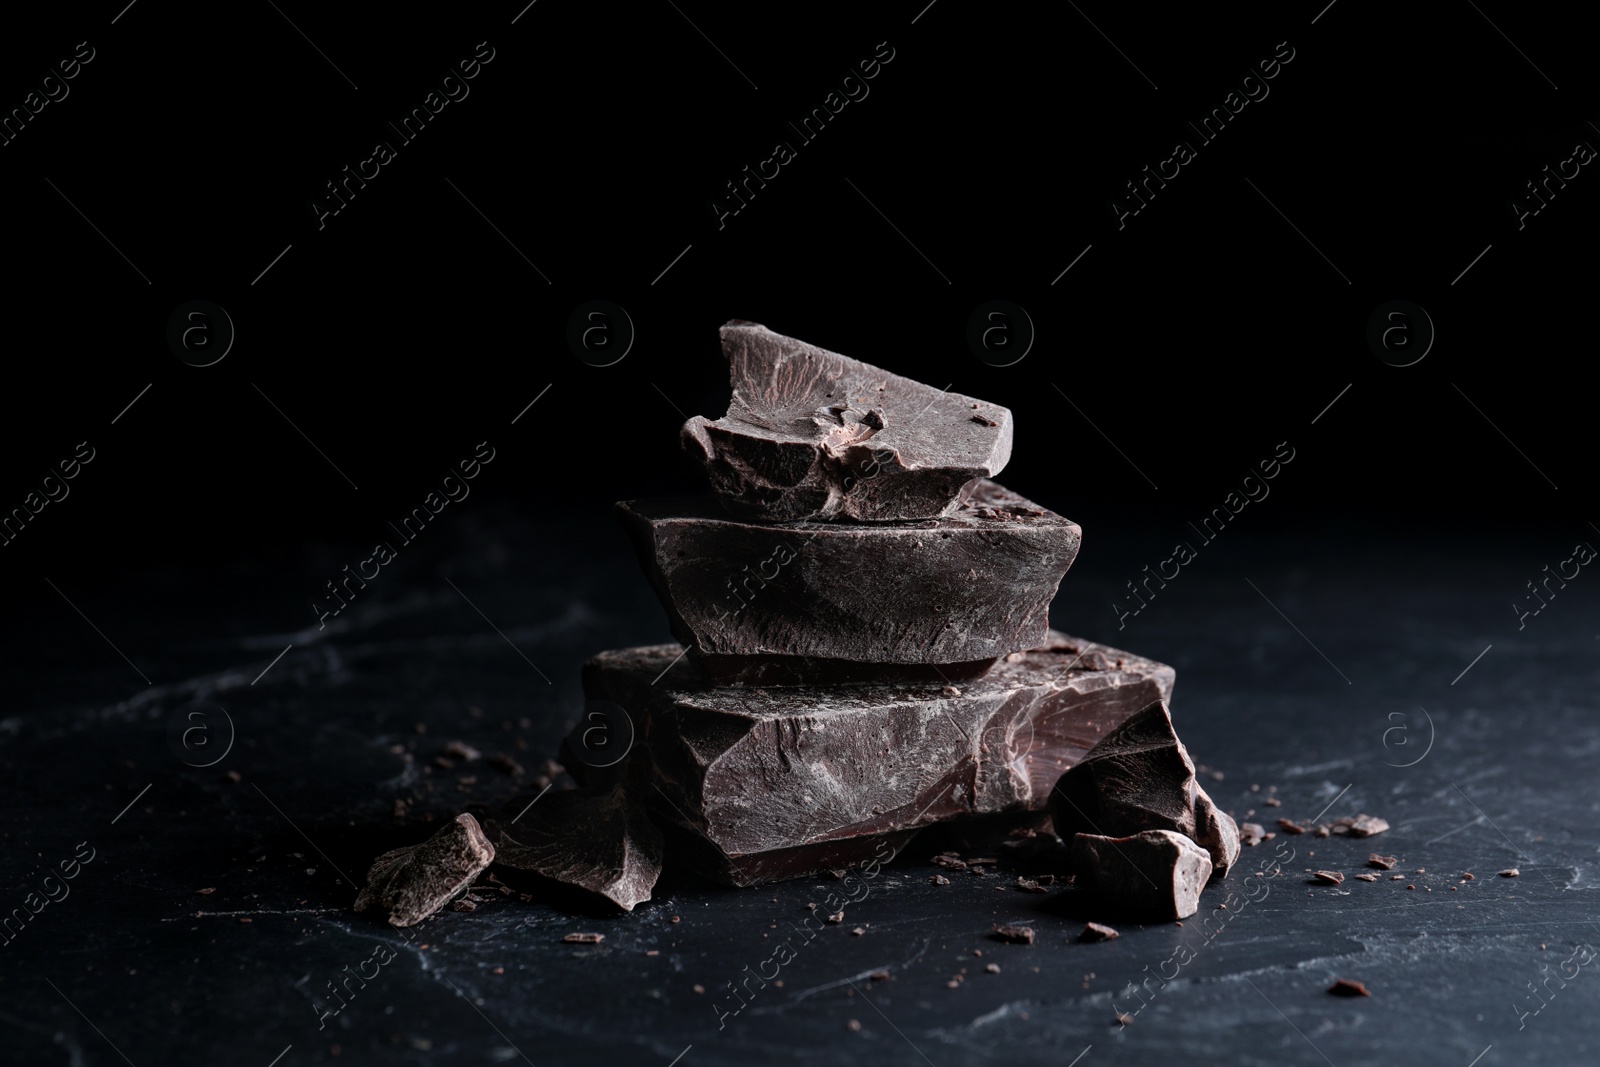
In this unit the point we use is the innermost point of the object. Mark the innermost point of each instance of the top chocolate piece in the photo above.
(811, 434)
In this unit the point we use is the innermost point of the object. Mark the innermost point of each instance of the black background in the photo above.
(413, 326)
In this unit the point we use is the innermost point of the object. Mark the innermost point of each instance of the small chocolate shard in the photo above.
(1348, 987)
(599, 840)
(1251, 833)
(938, 879)
(1122, 1018)
(1383, 863)
(1367, 825)
(811, 434)
(1216, 832)
(412, 883)
(584, 937)
(462, 751)
(1138, 777)
(1028, 885)
(1510, 872)
(1097, 932)
(1289, 826)
(1013, 934)
(837, 917)
(1328, 877)
(1157, 874)
(503, 762)
(1366, 876)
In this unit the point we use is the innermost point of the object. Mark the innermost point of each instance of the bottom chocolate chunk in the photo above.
(412, 883)
(779, 783)
(1153, 875)
(598, 840)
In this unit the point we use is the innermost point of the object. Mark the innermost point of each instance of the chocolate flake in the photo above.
(412, 883)
(585, 938)
(1510, 872)
(596, 839)
(1383, 863)
(1348, 987)
(1097, 932)
(1367, 826)
(1366, 876)
(1013, 934)
(1328, 877)
(1289, 826)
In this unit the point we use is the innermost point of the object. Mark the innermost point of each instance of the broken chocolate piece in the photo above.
(1289, 826)
(781, 783)
(1013, 934)
(1251, 833)
(938, 879)
(1157, 874)
(1328, 877)
(1028, 885)
(1216, 832)
(583, 938)
(1510, 872)
(412, 883)
(1367, 876)
(788, 603)
(1347, 987)
(1097, 932)
(1367, 825)
(1383, 863)
(813, 434)
(1138, 777)
(462, 751)
(599, 840)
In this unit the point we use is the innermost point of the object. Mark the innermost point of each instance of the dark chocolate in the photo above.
(824, 602)
(412, 883)
(813, 434)
(1138, 777)
(1154, 875)
(783, 782)
(599, 840)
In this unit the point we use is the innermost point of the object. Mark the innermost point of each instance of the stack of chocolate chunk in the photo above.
(864, 618)
(866, 651)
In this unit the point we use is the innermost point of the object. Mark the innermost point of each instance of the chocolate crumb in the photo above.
(1367, 825)
(1397, 878)
(992, 968)
(1028, 885)
(1510, 872)
(837, 917)
(1272, 802)
(583, 938)
(206, 892)
(245, 919)
(1013, 934)
(464, 904)
(836, 873)
(1097, 932)
(878, 976)
(232, 777)
(1251, 833)
(1289, 826)
(461, 751)
(1123, 1018)
(854, 1026)
(502, 762)
(1384, 863)
(698, 988)
(858, 931)
(1347, 987)
(1468, 876)
(677, 918)
(1329, 877)
(1367, 877)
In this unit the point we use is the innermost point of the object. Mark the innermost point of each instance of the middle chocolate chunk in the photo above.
(800, 602)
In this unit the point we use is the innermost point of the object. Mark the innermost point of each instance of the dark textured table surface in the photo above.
(1308, 667)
